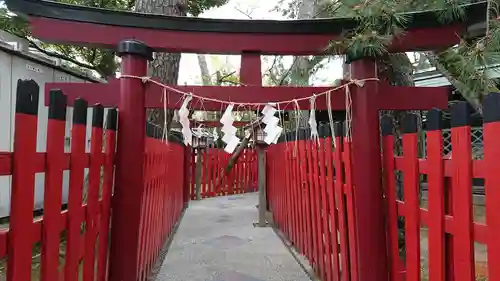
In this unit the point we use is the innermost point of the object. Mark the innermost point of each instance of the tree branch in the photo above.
(461, 87)
(285, 75)
(246, 14)
(223, 78)
(55, 54)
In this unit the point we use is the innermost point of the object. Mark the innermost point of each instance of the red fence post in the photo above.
(372, 261)
(129, 189)
(187, 170)
(491, 133)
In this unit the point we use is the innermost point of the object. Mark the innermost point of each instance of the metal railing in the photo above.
(476, 142)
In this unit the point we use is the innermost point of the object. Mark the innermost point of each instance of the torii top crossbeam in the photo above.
(99, 27)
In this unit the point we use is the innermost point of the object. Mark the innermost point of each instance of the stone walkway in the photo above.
(216, 241)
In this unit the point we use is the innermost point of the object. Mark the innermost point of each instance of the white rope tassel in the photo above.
(312, 119)
(348, 113)
(183, 118)
(297, 125)
(165, 133)
(330, 114)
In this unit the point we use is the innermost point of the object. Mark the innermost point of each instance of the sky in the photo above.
(189, 72)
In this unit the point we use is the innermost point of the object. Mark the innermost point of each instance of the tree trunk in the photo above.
(300, 72)
(165, 66)
(205, 74)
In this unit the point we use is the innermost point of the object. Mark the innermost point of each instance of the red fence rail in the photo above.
(214, 181)
(456, 231)
(310, 196)
(80, 230)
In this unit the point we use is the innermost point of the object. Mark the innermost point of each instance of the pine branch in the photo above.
(63, 57)
(461, 87)
(35, 45)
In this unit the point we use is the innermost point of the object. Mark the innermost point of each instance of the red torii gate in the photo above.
(251, 39)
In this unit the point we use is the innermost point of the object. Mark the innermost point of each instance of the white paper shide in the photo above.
(272, 131)
(184, 120)
(229, 130)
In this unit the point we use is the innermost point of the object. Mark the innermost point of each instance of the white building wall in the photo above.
(12, 68)
(5, 126)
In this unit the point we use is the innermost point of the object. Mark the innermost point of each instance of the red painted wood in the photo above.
(52, 199)
(312, 205)
(250, 69)
(210, 171)
(324, 212)
(219, 172)
(436, 206)
(351, 209)
(389, 178)
(186, 169)
(23, 178)
(215, 169)
(412, 219)
(332, 210)
(226, 43)
(370, 217)
(463, 246)
(449, 239)
(401, 98)
(293, 203)
(193, 174)
(75, 211)
(304, 194)
(298, 198)
(480, 230)
(204, 174)
(290, 211)
(238, 176)
(129, 178)
(283, 190)
(93, 187)
(39, 159)
(247, 170)
(478, 167)
(307, 199)
(142, 260)
(230, 180)
(491, 132)
(340, 199)
(107, 186)
(317, 209)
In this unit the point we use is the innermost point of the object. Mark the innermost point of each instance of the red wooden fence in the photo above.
(164, 197)
(81, 230)
(310, 196)
(448, 221)
(214, 181)
(72, 242)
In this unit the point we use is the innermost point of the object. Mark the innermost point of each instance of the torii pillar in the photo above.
(367, 174)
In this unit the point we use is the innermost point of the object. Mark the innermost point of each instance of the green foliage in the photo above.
(101, 60)
(196, 7)
(381, 21)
